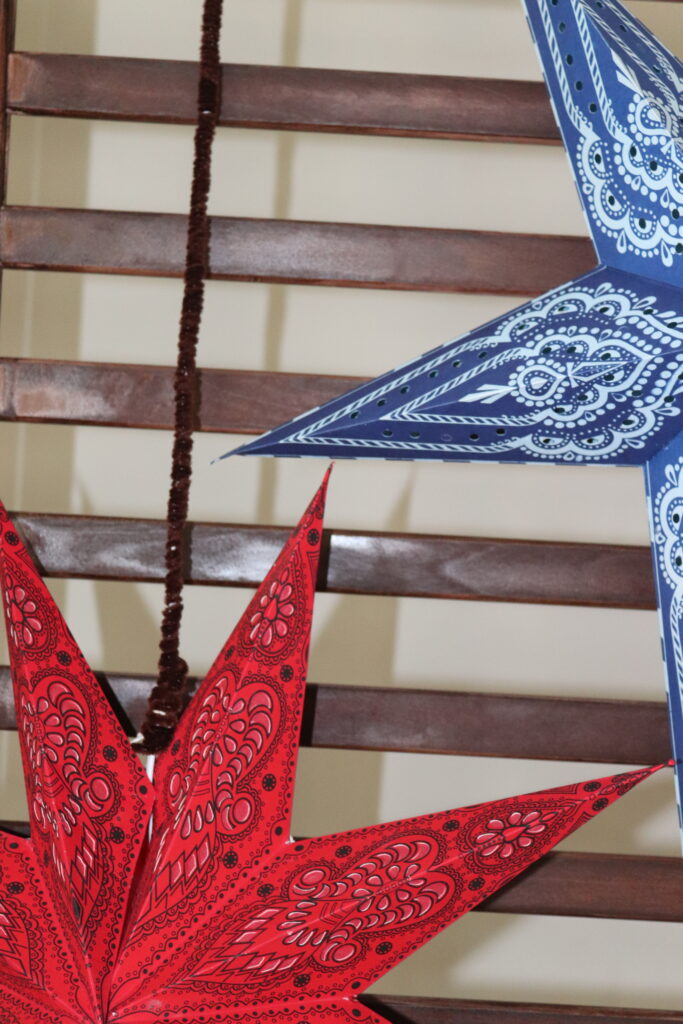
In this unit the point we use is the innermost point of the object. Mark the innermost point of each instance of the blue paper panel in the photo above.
(589, 372)
(592, 372)
(617, 97)
(664, 481)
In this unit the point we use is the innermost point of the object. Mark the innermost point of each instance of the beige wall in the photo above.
(380, 642)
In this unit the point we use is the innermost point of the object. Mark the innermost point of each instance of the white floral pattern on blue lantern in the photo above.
(618, 95)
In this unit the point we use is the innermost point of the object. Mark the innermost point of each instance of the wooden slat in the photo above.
(412, 1010)
(494, 725)
(295, 252)
(115, 394)
(7, 32)
(596, 885)
(299, 99)
(400, 564)
(442, 722)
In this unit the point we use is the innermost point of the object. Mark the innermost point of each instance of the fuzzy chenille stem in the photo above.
(169, 695)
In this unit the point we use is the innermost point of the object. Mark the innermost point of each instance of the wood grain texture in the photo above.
(412, 1010)
(295, 252)
(443, 722)
(299, 99)
(596, 885)
(125, 395)
(417, 565)
(7, 33)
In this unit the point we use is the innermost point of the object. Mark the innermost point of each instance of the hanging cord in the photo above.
(169, 695)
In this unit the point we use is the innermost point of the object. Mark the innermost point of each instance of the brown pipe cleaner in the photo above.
(168, 697)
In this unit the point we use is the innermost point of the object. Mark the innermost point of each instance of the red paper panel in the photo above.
(219, 915)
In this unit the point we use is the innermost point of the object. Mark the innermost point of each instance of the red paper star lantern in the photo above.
(215, 914)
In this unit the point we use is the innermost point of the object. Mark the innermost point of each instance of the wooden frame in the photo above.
(642, 888)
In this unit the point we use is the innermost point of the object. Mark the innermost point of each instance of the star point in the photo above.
(218, 913)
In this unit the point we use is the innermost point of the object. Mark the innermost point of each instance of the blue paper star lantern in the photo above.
(592, 372)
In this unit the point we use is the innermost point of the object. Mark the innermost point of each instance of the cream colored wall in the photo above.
(382, 642)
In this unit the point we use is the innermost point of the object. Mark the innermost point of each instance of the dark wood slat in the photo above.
(438, 722)
(295, 252)
(7, 32)
(596, 885)
(412, 565)
(299, 99)
(495, 725)
(413, 1010)
(123, 395)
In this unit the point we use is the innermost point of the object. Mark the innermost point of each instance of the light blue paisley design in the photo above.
(592, 372)
(618, 96)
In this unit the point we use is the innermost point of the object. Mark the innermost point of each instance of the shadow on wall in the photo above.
(281, 209)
